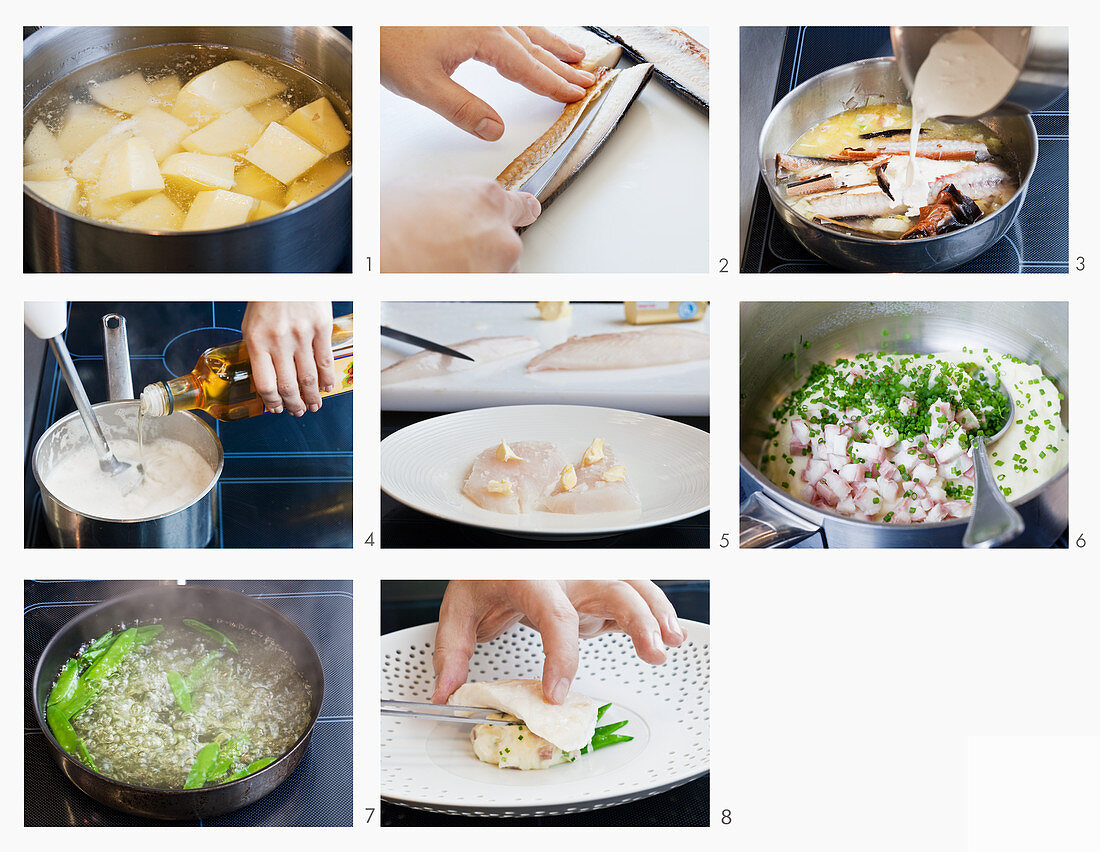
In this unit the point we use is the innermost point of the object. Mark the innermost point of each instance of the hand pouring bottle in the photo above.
(221, 383)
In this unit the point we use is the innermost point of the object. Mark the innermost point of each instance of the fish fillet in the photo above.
(484, 350)
(682, 62)
(543, 148)
(592, 493)
(530, 477)
(569, 726)
(624, 350)
(598, 51)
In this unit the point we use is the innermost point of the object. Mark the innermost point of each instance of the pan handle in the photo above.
(764, 523)
(116, 355)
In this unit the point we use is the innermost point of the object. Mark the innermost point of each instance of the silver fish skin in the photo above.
(840, 205)
(941, 149)
(978, 181)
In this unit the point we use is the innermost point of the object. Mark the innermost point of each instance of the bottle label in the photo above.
(342, 365)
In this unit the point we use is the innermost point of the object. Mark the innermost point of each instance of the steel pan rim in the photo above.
(295, 751)
(46, 492)
(1015, 202)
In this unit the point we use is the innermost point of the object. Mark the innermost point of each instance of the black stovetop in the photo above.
(317, 793)
(1037, 242)
(287, 480)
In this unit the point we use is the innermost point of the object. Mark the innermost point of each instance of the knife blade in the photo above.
(423, 343)
(545, 173)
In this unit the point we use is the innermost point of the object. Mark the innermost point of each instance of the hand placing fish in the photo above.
(417, 63)
(563, 611)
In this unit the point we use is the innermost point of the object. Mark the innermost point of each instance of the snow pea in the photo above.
(106, 665)
(254, 766)
(202, 670)
(86, 693)
(147, 634)
(229, 755)
(179, 689)
(600, 742)
(200, 768)
(67, 736)
(602, 710)
(604, 730)
(96, 649)
(66, 684)
(86, 755)
(210, 633)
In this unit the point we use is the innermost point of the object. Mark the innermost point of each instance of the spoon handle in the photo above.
(992, 521)
(107, 460)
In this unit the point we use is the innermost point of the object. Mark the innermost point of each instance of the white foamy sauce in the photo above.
(963, 75)
(175, 474)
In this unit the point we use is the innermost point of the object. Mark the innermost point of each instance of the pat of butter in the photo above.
(282, 154)
(504, 452)
(554, 310)
(594, 453)
(499, 486)
(568, 478)
(615, 473)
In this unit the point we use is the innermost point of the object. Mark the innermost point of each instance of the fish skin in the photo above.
(428, 364)
(978, 181)
(622, 350)
(840, 205)
(591, 494)
(682, 62)
(942, 149)
(532, 476)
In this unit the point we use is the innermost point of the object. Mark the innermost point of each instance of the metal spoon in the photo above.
(992, 521)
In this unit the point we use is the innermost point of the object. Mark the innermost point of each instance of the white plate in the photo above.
(425, 465)
(431, 766)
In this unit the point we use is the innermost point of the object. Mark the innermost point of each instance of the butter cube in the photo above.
(164, 131)
(130, 172)
(64, 193)
(273, 109)
(282, 154)
(198, 172)
(229, 134)
(156, 213)
(217, 209)
(317, 180)
(54, 169)
(41, 145)
(165, 90)
(221, 89)
(320, 126)
(128, 93)
(88, 164)
(84, 124)
(263, 209)
(250, 180)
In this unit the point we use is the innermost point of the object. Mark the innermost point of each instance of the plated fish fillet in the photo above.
(569, 725)
(484, 350)
(624, 350)
(682, 63)
(514, 478)
(600, 485)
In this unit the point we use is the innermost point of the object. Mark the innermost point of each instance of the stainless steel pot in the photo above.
(849, 86)
(770, 517)
(314, 237)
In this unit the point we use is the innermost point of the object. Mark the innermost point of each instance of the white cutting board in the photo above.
(674, 389)
(640, 205)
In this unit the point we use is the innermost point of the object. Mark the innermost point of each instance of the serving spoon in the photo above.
(993, 521)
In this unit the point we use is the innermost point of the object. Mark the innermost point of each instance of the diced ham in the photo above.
(800, 430)
(956, 508)
(853, 472)
(825, 494)
(889, 470)
(936, 492)
(831, 430)
(950, 450)
(967, 419)
(885, 436)
(837, 485)
(870, 453)
(916, 514)
(941, 416)
(837, 462)
(815, 470)
(924, 473)
(888, 488)
(796, 448)
(847, 506)
(936, 513)
(907, 405)
(837, 444)
(866, 501)
(820, 450)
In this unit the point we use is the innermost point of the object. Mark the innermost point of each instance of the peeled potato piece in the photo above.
(64, 193)
(316, 180)
(41, 145)
(230, 134)
(221, 89)
(282, 154)
(198, 172)
(165, 91)
(253, 181)
(218, 209)
(273, 109)
(130, 172)
(320, 126)
(84, 124)
(156, 213)
(128, 93)
(163, 130)
(54, 169)
(87, 165)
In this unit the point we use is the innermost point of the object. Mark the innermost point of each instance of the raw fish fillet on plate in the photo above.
(484, 350)
(530, 477)
(569, 726)
(624, 350)
(592, 493)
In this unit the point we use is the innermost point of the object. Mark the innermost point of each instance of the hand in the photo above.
(479, 610)
(453, 225)
(290, 347)
(417, 63)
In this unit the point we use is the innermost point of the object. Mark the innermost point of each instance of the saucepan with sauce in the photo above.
(782, 342)
(299, 221)
(860, 223)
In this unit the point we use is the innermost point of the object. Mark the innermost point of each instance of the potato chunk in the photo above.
(163, 130)
(282, 154)
(130, 172)
(165, 90)
(88, 164)
(221, 89)
(54, 169)
(84, 124)
(273, 109)
(198, 172)
(64, 193)
(320, 126)
(316, 180)
(250, 180)
(41, 145)
(229, 134)
(128, 93)
(218, 209)
(156, 213)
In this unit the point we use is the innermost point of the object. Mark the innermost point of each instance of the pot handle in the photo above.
(116, 356)
(764, 523)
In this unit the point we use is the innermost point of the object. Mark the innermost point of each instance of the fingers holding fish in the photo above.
(515, 62)
(624, 609)
(554, 59)
(547, 608)
(561, 47)
(462, 108)
(671, 633)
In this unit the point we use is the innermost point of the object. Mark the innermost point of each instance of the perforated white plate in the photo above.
(431, 766)
(424, 465)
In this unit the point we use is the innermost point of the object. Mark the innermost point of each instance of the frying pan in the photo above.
(210, 605)
(1035, 331)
